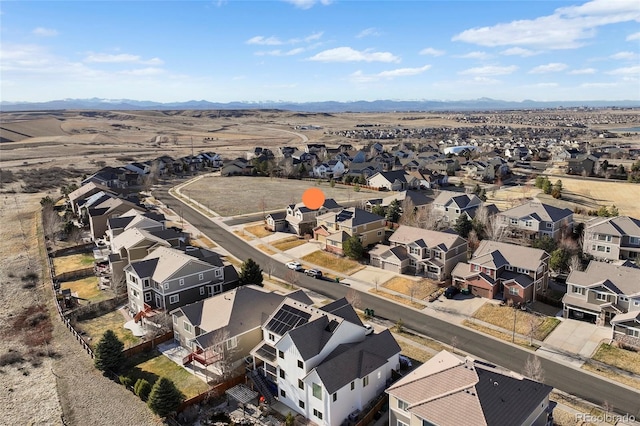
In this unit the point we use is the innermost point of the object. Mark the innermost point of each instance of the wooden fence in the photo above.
(148, 345)
(78, 273)
(217, 390)
(369, 416)
(80, 248)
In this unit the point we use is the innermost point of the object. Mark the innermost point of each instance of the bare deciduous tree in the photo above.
(292, 277)
(270, 267)
(533, 369)
(575, 264)
(152, 177)
(454, 343)
(353, 297)
(51, 222)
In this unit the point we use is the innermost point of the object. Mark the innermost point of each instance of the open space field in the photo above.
(525, 322)
(72, 262)
(233, 195)
(153, 365)
(333, 262)
(288, 243)
(95, 328)
(416, 289)
(86, 289)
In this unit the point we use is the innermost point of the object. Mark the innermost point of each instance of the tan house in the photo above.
(534, 220)
(100, 213)
(433, 254)
(449, 390)
(516, 272)
(450, 205)
(85, 191)
(605, 294)
(612, 238)
(302, 219)
(334, 228)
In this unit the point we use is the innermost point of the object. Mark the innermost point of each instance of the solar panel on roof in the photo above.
(287, 318)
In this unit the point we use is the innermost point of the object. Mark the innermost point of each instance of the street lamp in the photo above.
(515, 313)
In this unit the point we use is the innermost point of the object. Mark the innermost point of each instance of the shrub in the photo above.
(125, 381)
(11, 357)
(108, 352)
(165, 398)
(142, 388)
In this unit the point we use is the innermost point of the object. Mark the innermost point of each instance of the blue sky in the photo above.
(309, 50)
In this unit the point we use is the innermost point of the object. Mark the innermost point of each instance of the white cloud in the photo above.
(308, 4)
(313, 37)
(583, 71)
(368, 32)
(360, 77)
(45, 32)
(626, 71)
(475, 55)
(347, 54)
(634, 36)
(624, 55)
(143, 71)
(432, 52)
(566, 28)
(489, 70)
(264, 41)
(518, 51)
(552, 67)
(545, 85)
(120, 58)
(278, 52)
(597, 85)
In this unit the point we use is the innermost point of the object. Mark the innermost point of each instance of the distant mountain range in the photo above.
(482, 104)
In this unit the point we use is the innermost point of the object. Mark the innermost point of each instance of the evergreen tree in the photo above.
(463, 226)
(142, 388)
(348, 179)
(165, 398)
(352, 247)
(539, 182)
(559, 260)
(250, 273)
(393, 212)
(362, 180)
(545, 243)
(379, 210)
(108, 352)
(546, 186)
(477, 189)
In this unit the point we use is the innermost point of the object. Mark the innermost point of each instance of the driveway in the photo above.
(455, 310)
(574, 337)
(369, 275)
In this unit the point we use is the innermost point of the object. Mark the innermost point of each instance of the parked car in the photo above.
(451, 291)
(313, 273)
(296, 266)
(369, 329)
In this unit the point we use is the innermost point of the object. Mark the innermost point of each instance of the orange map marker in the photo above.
(313, 198)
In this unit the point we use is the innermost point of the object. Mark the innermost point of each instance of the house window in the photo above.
(380, 234)
(301, 404)
(603, 237)
(317, 391)
(509, 268)
(578, 290)
(175, 319)
(634, 240)
(281, 354)
(476, 267)
(232, 343)
(218, 273)
(146, 283)
(181, 281)
(334, 396)
(282, 374)
(636, 303)
(201, 291)
(365, 381)
(528, 224)
(166, 286)
(601, 297)
(403, 405)
(549, 225)
(300, 364)
(522, 271)
(200, 277)
(514, 221)
(513, 291)
(633, 332)
(399, 423)
(353, 385)
(300, 384)
(174, 298)
(283, 393)
(217, 289)
(187, 327)
(147, 297)
(317, 413)
(437, 254)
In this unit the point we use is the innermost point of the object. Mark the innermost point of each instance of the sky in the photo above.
(320, 50)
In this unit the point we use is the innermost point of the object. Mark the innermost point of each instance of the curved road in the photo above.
(567, 379)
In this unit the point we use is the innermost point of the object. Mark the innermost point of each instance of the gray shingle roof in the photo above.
(620, 225)
(539, 211)
(516, 256)
(619, 279)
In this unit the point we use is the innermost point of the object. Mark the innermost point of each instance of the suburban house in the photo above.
(111, 177)
(602, 293)
(612, 238)
(397, 180)
(415, 199)
(85, 191)
(449, 390)
(334, 228)
(320, 361)
(168, 278)
(419, 251)
(99, 213)
(276, 221)
(134, 219)
(239, 166)
(329, 169)
(515, 271)
(534, 220)
(302, 219)
(450, 205)
(220, 331)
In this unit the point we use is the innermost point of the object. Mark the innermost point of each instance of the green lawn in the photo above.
(153, 365)
(333, 262)
(87, 289)
(95, 328)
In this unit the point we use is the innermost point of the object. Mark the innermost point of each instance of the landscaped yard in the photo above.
(265, 249)
(153, 365)
(72, 262)
(288, 243)
(87, 289)
(258, 230)
(95, 328)
(416, 289)
(617, 357)
(503, 316)
(333, 262)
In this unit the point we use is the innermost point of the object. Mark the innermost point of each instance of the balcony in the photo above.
(205, 358)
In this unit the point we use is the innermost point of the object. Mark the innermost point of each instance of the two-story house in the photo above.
(321, 362)
(450, 205)
(168, 278)
(397, 180)
(601, 293)
(516, 272)
(449, 390)
(302, 219)
(334, 228)
(134, 219)
(433, 254)
(533, 220)
(219, 332)
(329, 169)
(414, 199)
(612, 238)
(85, 191)
(99, 213)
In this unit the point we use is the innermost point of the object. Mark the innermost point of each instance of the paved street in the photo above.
(558, 374)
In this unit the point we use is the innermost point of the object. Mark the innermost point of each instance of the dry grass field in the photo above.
(526, 323)
(96, 327)
(258, 230)
(333, 262)
(288, 243)
(72, 262)
(621, 358)
(416, 289)
(87, 290)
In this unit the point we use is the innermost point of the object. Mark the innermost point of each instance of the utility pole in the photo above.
(515, 312)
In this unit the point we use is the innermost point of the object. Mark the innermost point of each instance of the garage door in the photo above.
(479, 291)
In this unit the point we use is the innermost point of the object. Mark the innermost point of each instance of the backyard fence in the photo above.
(78, 273)
(148, 345)
(215, 391)
(81, 248)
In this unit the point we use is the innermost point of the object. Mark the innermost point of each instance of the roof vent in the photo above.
(495, 383)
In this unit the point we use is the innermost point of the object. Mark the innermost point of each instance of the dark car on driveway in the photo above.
(451, 291)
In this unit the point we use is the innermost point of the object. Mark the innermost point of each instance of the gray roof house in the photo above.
(612, 238)
(450, 205)
(534, 220)
(321, 361)
(302, 219)
(451, 390)
(601, 294)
